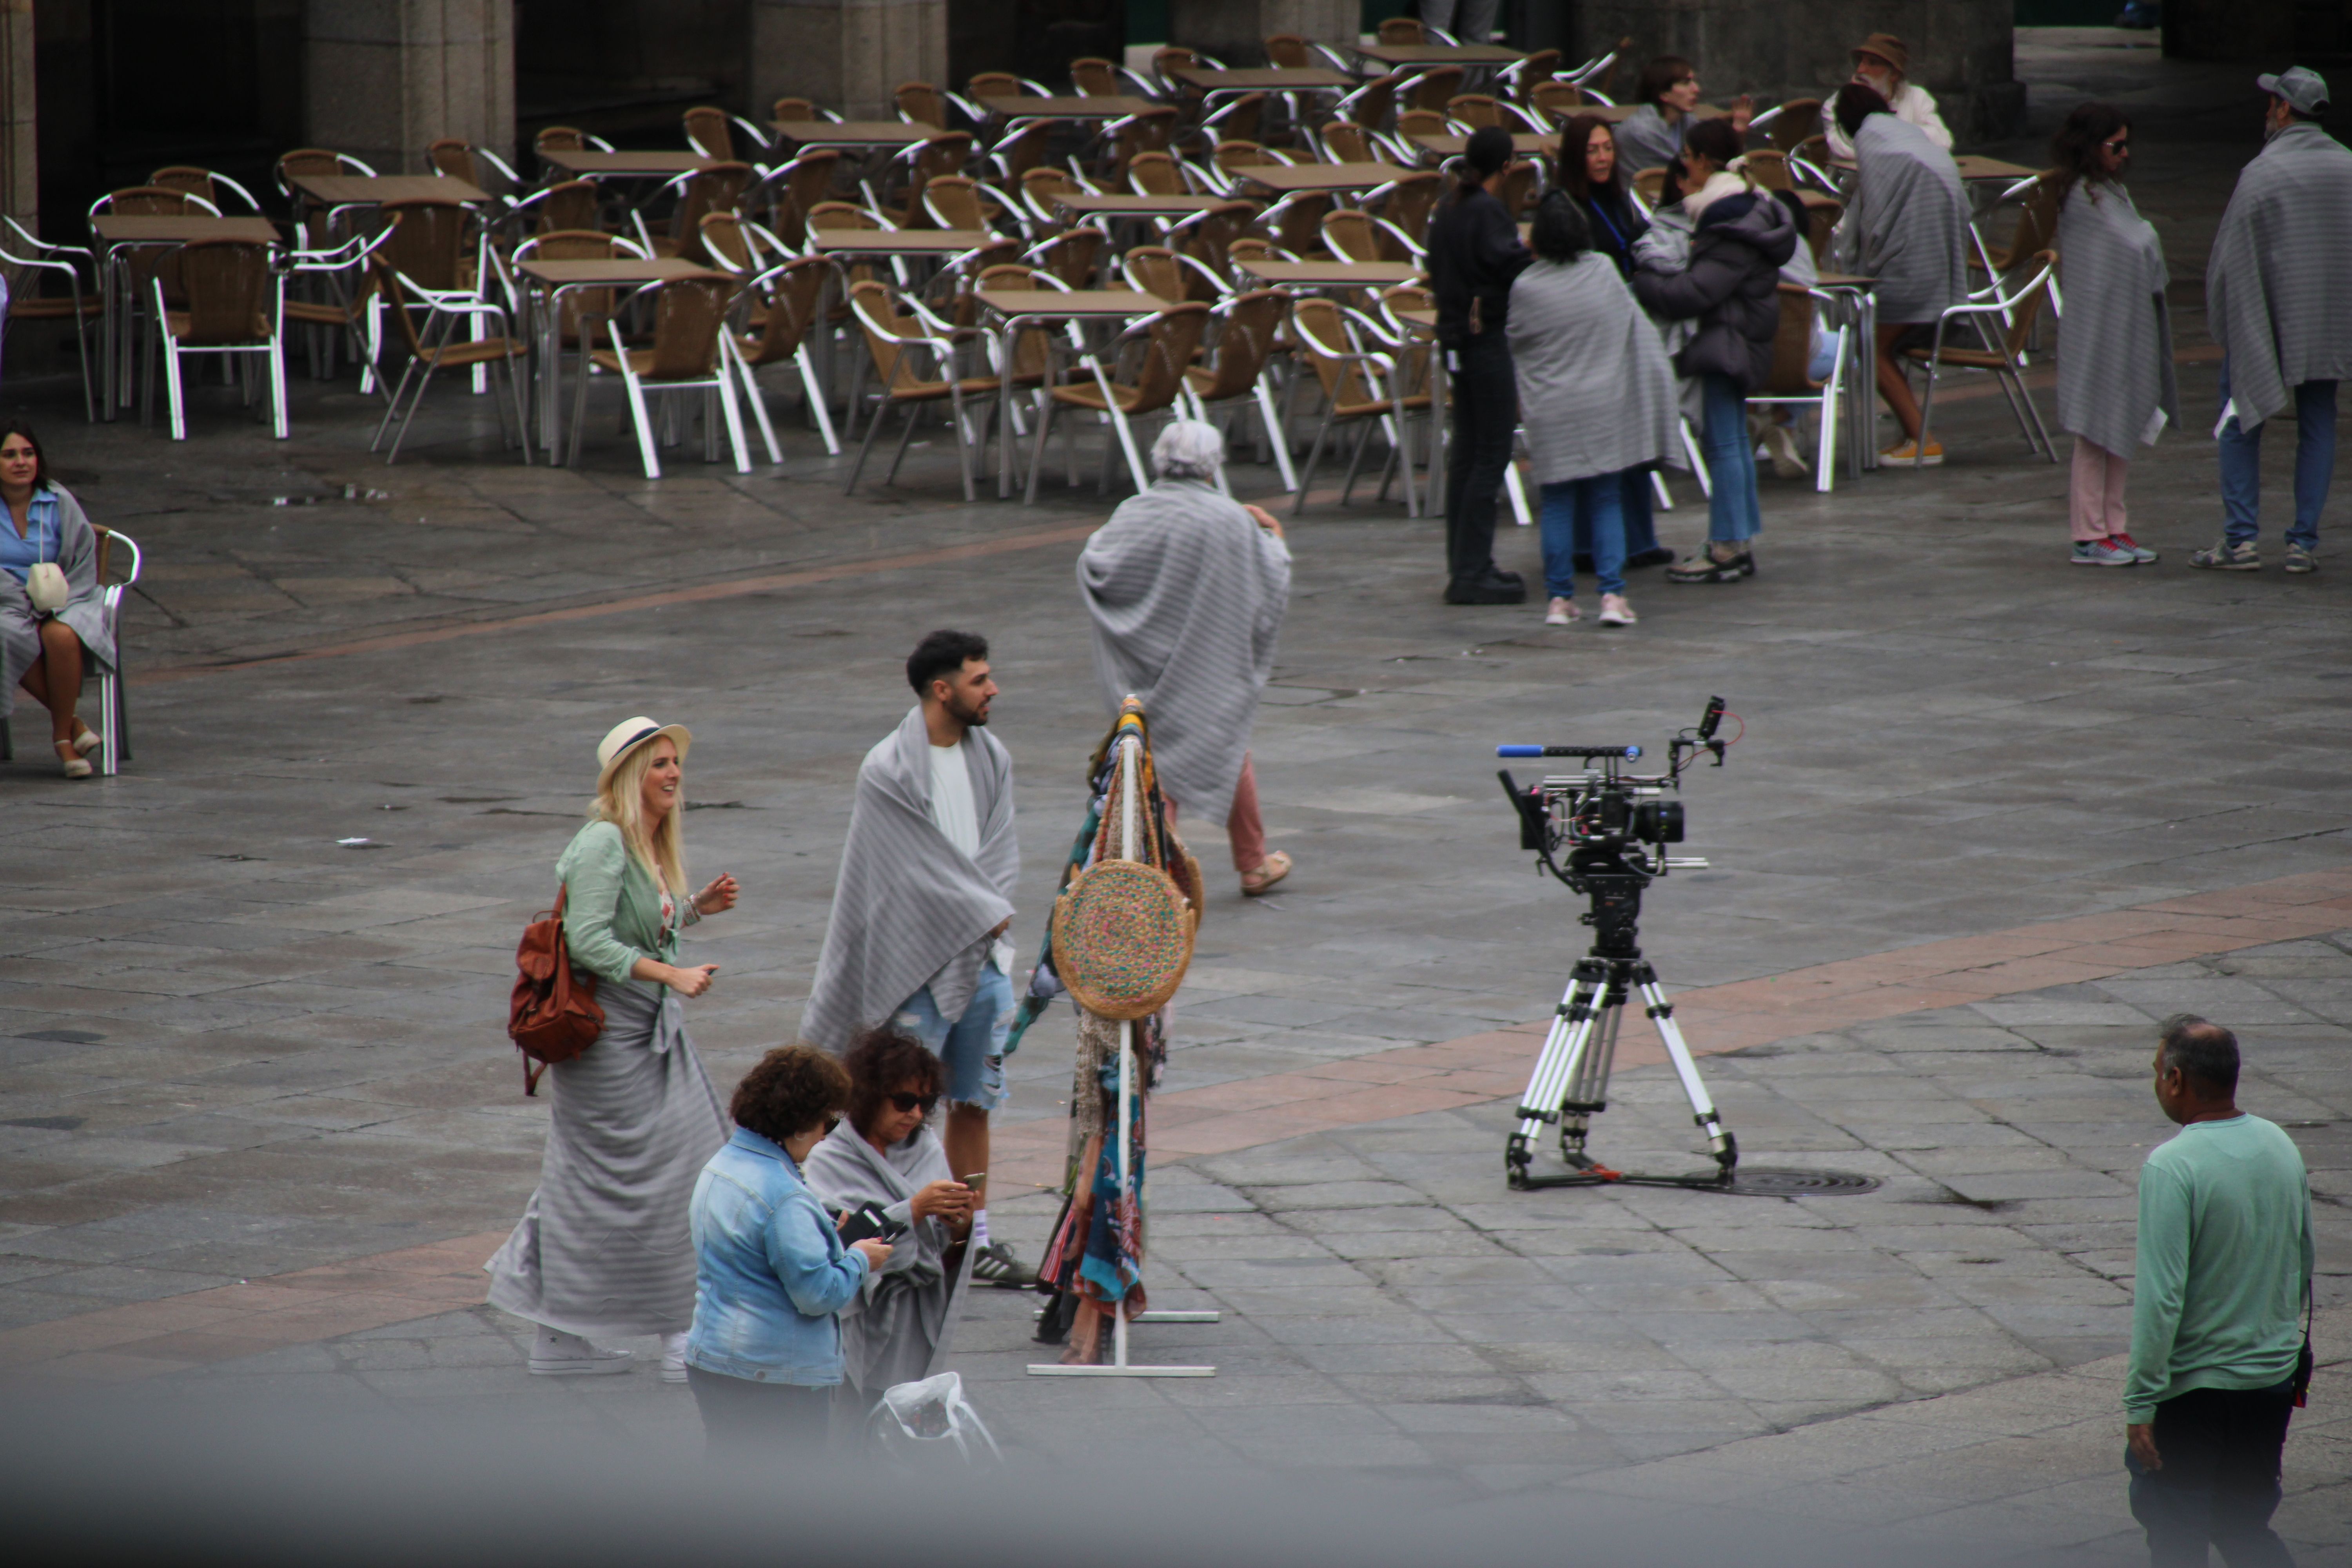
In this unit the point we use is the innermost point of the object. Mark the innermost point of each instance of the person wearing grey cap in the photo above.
(2278, 299)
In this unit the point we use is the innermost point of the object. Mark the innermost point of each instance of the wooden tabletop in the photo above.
(585, 164)
(1614, 113)
(358, 190)
(1289, 178)
(1427, 319)
(622, 269)
(1331, 274)
(1524, 142)
(1109, 107)
(1117, 205)
(903, 241)
(853, 132)
(1269, 80)
(1844, 280)
(1973, 167)
(178, 228)
(1072, 304)
(1438, 54)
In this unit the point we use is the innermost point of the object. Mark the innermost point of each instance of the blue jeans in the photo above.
(1734, 514)
(2315, 465)
(1589, 512)
(1635, 503)
(971, 1048)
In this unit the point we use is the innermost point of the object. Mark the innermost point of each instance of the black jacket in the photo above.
(1615, 227)
(1474, 254)
(1732, 286)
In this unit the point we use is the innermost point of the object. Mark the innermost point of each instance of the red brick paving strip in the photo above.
(146, 1337)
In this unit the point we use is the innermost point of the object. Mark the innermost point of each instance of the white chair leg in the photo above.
(759, 410)
(107, 746)
(1274, 434)
(172, 387)
(643, 416)
(1697, 461)
(735, 420)
(810, 382)
(374, 345)
(1512, 487)
(1665, 497)
(277, 383)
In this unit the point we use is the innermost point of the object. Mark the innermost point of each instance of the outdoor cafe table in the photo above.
(1215, 84)
(556, 278)
(1109, 106)
(867, 136)
(1312, 275)
(370, 190)
(120, 233)
(939, 242)
(1525, 143)
(1290, 178)
(1081, 204)
(589, 165)
(1614, 113)
(1018, 308)
(1396, 55)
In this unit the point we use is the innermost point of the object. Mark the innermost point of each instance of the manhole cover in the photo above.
(1763, 1183)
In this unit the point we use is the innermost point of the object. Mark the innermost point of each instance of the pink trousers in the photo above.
(1247, 833)
(2095, 498)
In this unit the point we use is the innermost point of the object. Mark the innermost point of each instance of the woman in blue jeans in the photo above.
(1596, 399)
(1740, 237)
(771, 1274)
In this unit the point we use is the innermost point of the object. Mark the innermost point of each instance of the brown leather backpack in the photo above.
(554, 1015)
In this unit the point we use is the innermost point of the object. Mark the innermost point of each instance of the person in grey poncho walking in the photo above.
(1596, 399)
(603, 1245)
(2278, 299)
(2117, 390)
(46, 651)
(886, 1153)
(925, 897)
(1187, 588)
(1907, 227)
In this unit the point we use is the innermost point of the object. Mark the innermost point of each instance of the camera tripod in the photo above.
(1570, 1082)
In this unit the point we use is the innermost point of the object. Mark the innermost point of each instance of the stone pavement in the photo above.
(253, 1093)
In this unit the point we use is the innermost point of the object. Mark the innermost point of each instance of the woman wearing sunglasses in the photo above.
(887, 1154)
(771, 1273)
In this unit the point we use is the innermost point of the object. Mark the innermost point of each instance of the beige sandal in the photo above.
(1275, 868)
(86, 740)
(75, 766)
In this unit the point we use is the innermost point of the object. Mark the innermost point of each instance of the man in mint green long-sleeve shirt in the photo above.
(2224, 1269)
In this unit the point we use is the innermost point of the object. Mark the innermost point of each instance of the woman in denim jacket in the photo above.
(771, 1273)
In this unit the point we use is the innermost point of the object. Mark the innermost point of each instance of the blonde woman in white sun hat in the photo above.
(603, 1248)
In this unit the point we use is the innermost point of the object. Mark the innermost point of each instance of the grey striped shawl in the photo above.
(20, 627)
(2278, 289)
(910, 909)
(603, 1245)
(1596, 394)
(2115, 340)
(1187, 594)
(898, 1328)
(1907, 226)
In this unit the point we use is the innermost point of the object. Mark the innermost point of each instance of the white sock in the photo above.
(980, 1227)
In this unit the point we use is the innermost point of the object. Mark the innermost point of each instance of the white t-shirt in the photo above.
(957, 816)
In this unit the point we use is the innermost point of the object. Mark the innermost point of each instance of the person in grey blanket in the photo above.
(2117, 391)
(925, 897)
(887, 1153)
(2278, 299)
(1730, 292)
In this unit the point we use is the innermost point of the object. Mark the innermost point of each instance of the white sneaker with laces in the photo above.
(554, 1353)
(673, 1367)
(1616, 612)
(1560, 612)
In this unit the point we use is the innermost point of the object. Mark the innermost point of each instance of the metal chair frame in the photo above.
(86, 317)
(722, 379)
(270, 346)
(448, 308)
(1823, 402)
(2008, 347)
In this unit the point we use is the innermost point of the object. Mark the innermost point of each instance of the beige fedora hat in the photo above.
(629, 734)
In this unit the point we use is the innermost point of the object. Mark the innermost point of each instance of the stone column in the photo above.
(20, 143)
(1236, 30)
(383, 79)
(846, 55)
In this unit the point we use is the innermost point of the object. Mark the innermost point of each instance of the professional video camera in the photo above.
(1613, 825)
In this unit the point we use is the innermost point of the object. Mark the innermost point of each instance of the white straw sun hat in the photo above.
(629, 734)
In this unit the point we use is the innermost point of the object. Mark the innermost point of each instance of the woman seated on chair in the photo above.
(49, 629)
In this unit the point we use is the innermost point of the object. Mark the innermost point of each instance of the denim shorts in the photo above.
(971, 1046)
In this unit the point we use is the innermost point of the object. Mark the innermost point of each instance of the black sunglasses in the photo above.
(909, 1103)
(2117, 145)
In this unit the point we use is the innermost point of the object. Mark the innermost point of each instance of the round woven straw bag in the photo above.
(1122, 938)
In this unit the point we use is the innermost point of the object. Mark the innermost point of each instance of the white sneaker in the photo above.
(1616, 612)
(673, 1367)
(554, 1353)
(1560, 612)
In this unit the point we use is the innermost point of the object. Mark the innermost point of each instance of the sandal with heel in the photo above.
(75, 765)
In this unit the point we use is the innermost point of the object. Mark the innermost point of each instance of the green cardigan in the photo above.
(611, 910)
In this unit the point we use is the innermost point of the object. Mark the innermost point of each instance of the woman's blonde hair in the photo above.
(622, 802)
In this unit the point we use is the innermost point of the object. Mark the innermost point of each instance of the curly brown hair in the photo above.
(791, 1089)
(878, 1062)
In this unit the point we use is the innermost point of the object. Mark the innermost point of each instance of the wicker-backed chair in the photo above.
(24, 274)
(434, 349)
(207, 183)
(1402, 31)
(1476, 110)
(1071, 255)
(900, 336)
(692, 351)
(789, 316)
(564, 208)
(1432, 89)
(1553, 101)
(1361, 386)
(231, 307)
(2003, 355)
(1242, 339)
(947, 153)
(920, 104)
(1208, 236)
(713, 188)
(1790, 383)
(1161, 348)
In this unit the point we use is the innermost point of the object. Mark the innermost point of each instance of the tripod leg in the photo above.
(1588, 1096)
(1560, 1062)
(1725, 1146)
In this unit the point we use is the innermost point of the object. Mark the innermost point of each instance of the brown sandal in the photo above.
(1272, 869)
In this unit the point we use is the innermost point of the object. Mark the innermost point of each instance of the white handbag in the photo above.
(47, 586)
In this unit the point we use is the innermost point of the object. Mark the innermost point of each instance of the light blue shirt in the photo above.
(40, 539)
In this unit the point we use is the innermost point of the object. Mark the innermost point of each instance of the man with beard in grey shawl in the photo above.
(1906, 227)
(1187, 589)
(924, 899)
(2278, 299)
(2117, 391)
(886, 1153)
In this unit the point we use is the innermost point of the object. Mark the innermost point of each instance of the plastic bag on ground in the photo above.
(915, 1423)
